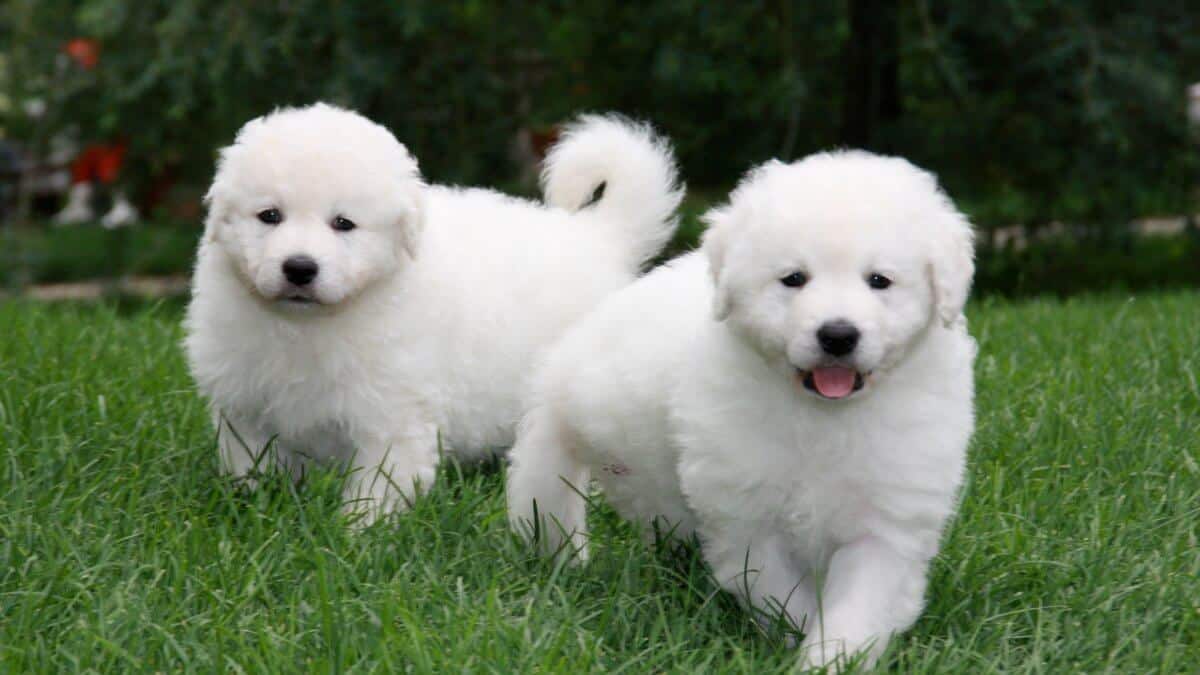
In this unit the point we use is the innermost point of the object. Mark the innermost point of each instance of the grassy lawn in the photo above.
(121, 550)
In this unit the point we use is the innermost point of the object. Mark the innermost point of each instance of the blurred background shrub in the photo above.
(1034, 113)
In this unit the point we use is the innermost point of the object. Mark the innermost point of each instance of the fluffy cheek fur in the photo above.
(245, 246)
(364, 258)
(890, 320)
(349, 262)
(781, 323)
(906, 313)
(762, 319)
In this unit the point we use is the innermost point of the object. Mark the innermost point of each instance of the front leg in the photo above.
(246, 450)
(870, 592)
(757, 567)
(388, 471)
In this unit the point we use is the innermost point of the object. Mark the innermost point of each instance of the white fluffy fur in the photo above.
(680, 396)
(428, 316)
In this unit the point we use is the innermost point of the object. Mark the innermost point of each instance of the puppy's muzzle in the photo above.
(838, 337)
(300, 270)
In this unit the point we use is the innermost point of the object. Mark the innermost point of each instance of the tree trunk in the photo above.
(872, 62)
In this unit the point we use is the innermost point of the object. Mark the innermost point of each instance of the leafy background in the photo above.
(1032, 111)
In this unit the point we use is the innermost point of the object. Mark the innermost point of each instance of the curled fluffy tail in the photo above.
(637, 170)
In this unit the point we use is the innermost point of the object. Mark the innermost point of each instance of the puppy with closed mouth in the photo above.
(344, 310)
(798, 394)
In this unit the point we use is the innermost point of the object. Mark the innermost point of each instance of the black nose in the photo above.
(838, 338)
(300, 269)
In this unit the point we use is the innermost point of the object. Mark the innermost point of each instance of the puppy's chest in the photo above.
(294, 386)
(798, 480)
(813, 487)
(816, 509)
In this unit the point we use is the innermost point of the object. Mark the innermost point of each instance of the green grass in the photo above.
(121, 550)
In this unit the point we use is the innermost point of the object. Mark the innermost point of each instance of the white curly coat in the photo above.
(423, 323)
(683, 397)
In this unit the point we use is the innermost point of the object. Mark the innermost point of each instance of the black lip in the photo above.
(300, 299)
(807, 380)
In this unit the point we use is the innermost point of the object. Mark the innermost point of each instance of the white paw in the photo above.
(363, 512)
(836, 653)
(377, 494)
(816, 654)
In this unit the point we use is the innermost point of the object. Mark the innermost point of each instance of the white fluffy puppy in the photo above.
(798, 393)
(344, 310)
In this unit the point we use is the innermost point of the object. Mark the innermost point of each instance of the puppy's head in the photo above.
(314, 205)
(832, 267)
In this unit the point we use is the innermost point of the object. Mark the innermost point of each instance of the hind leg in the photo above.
(546, 487)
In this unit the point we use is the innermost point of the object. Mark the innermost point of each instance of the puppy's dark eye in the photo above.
(270, 216)
(878, 282)
(343, 224)
(794, 280)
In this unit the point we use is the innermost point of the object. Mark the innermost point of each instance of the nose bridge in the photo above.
(299, 236)
(828, 299)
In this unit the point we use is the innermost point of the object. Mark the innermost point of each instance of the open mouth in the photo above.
(832, 382)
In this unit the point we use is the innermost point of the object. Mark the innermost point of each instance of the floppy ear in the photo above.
(412, 223)
(721, 221)
(218, 197)
(217, 213)
(952, 264)
(716, 247)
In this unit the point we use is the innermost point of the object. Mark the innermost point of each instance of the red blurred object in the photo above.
(99, 163)
(85, 51)
(542, 140)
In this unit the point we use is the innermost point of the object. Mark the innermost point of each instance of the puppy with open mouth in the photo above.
(344, 310)
(798, 394)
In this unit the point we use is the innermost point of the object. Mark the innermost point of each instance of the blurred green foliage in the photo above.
(1062, 265)
(35, 255)
(1031, 111)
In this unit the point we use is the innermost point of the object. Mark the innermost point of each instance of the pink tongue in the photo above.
(833, 382)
